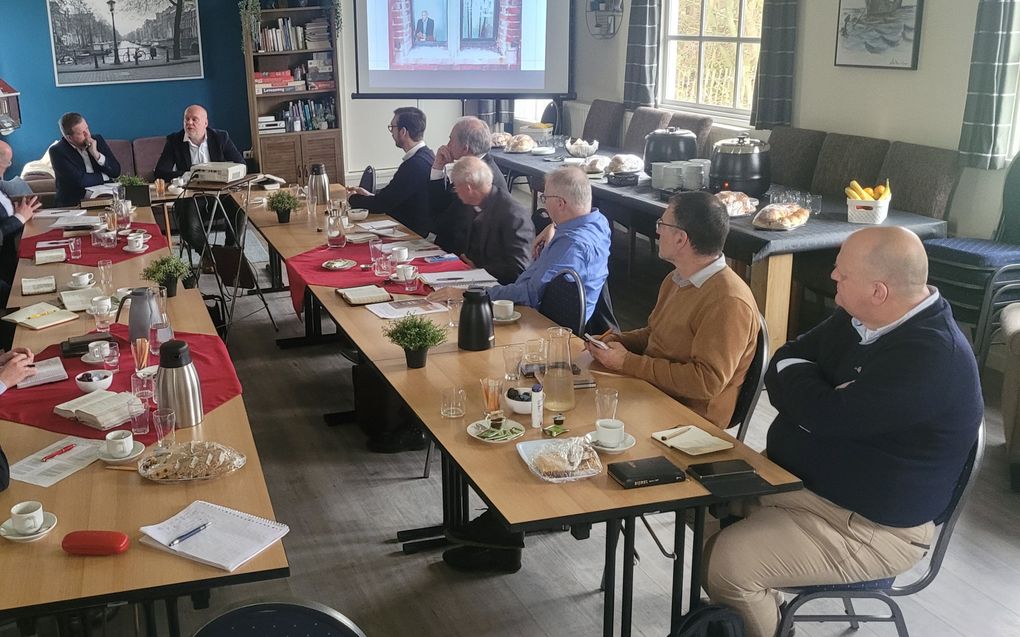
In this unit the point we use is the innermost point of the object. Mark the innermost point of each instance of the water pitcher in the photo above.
(145, 312)
(177, 384)
(558, 381)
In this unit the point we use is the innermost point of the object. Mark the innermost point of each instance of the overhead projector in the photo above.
(220, 172)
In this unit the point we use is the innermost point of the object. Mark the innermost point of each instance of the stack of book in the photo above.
(267, 82)
(99, 409)
(320, 72)
(316, 34)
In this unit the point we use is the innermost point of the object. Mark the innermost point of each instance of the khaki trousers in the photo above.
(801, 539)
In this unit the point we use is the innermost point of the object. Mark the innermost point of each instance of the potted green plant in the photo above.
(166, 271)
(416, 334)
(282, 202)
(251, 19)
(136, 189)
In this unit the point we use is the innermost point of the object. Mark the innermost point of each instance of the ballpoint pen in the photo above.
(56, 453)
(195, 531)
(670, 436)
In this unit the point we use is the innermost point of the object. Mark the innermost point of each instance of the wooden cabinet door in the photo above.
(281, 156)
(322, 147)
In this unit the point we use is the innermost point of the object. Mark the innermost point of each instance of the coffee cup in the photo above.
(81, 279)
(101, 304)
(27, 517)
(502, 310)
(610, 432)
(98, 350)
(136, 241)
(406, 272)
(399, 254)
(119, 443)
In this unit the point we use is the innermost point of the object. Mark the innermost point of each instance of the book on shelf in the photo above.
(99, 409)
(266, 118)
(38, 285)
(271, 74)
(322, 85)
(228, 538)
(54, 255)
(364, 294)
(50, 370)
(40, 316)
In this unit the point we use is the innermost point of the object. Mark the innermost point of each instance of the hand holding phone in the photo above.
(596, 342)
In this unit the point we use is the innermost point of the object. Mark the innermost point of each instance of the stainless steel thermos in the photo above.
(177, 384)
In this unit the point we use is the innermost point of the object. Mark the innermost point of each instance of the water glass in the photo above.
(139, 413)
(453, 306)
(110, 217)
(606, 401)
(112, 359)
(104, 318)
(375, 251)
(335, 236)
(159, 333)
(96, 237)
(74, 248)
(492, 393)
(105, 275)
(512, 355)
(453, 402)
(814, 204)
(164, 421)
(143, 387)
(123, 214)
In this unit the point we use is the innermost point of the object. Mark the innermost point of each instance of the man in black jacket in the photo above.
(80, 160)
(405, 198)
(195, 144)
(17, 206)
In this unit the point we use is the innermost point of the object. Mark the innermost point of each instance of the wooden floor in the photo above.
(345, 506)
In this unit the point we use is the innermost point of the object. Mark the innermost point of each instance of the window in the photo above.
(710, 56)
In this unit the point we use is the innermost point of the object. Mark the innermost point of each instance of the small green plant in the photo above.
(251, 19)
(282, 201)
(165, 269)
(130, 180)
(415, 333)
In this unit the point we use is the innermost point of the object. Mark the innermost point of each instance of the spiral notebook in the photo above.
(230, 538)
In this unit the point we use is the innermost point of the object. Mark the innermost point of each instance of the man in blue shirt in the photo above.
(581, 242)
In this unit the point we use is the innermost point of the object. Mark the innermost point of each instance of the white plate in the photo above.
(136, 451)
(82, 287)
(88, 360)
(138, 251)
(543, 150)
(515, 428)
(516, 316)
(628, 442)
(338, 264)
(576, 161)
(49, 523)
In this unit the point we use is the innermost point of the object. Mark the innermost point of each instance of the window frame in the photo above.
(667, 41)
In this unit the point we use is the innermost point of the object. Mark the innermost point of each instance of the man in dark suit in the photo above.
(17, 207)
(195, 144)
(405, 198)
(425, 28)
(452, 218)
(80, 160)
(501, 233)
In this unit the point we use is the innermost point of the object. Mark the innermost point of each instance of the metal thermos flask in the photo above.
(318, 184)
(177, 384)
(475, 332)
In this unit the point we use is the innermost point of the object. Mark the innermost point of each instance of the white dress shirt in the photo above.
(704, 274)
(414, 149)
(85, 157)
(199, 152)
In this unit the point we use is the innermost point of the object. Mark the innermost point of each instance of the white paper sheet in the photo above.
(44, 474)
(400, 309)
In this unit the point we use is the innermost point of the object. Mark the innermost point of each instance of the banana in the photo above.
(861, 194)
(887, 193)
(851, 193)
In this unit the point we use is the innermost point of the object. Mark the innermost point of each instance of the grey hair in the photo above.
(571, 183)
(474, 134)
(471, 171)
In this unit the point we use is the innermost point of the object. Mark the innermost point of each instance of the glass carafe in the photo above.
(558, 379)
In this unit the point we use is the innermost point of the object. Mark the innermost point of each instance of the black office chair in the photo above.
(603, 319)
(563, 301)
(885, 590)
(754, 380)
(291, 618)
(368, 179)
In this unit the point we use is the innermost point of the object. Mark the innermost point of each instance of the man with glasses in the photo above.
(405, 197)
(701, 335)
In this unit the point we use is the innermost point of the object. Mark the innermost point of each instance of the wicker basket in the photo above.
(860, 211)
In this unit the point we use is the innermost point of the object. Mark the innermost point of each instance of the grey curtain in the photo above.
(640, 78)
(773, 89)
(492, 112)
(991, 93)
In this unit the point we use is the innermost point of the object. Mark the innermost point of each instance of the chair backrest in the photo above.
(643, 121)
(368, 179)
(793, 155)
(147, 151)
(551, 115)
(604, 121)
(290, 618)
(563, 301)
(947, 521)
(125, 155)
(846, 157)
(603, 319)
(699, 125)
(923, 178)
(1008, 230)
(750, 390)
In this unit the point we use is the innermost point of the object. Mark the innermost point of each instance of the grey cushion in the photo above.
(697, 124)
(644, 121)
(122, 151)
(146, 152)
(923, 178)
(793, 155)
(846, 157)
(604, 121)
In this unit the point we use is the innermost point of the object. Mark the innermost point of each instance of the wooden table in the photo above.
(97, 498)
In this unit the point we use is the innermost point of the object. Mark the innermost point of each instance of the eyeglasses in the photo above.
(660, 222)
(390, 127)
(542, 198)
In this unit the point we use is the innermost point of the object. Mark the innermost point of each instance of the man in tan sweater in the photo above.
(701, 336)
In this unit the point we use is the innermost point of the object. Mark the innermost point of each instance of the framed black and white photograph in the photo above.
(118, 41)
(879, 33)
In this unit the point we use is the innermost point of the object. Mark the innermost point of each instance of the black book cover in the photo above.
(645, 472)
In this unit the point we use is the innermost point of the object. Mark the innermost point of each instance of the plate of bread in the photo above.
(560, 460)
(499, 140)
(520, 144)
(780, 216)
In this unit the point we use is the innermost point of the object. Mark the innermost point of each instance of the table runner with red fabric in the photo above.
(306, 269)
(34, 406)
(90, 254)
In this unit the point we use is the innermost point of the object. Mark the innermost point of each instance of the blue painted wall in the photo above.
(119, 111)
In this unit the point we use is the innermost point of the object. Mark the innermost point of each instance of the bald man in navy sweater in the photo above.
(878, 409)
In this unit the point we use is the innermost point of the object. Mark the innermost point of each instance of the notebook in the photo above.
(50, 370)
(54, 255)
(364, 294)
(40, 316)
(230, 539)
(80, 221)
(461, 279)
(78, 300)
(39, 285)
(691, 440)
(100, 410)
(400, 309)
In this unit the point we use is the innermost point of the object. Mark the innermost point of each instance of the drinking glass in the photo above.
(378, 258)
(103, 318)
(160, 187)
(164, 421)
(112, 359)
(105, 275)
(140, 353)
(335, 236)
(814, 204)
(492, 391)
(453, 402)
(411, 278)
(110, 217)
(143, 387)
(512, 355)
(534, 356)
(74, 248)
(123, 214)
(453, 306)
(159, 333)
(96, 236)
(606, 401)
(139, 412)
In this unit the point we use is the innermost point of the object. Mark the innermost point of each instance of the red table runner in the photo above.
(34, 406)
(91, 255)
(306, 269)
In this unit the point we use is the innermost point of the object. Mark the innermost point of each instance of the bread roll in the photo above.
(520, 143)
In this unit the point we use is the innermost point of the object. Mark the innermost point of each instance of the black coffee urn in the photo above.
(475, 332)
(742, 165)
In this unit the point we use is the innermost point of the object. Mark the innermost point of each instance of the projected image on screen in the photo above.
(488, 39)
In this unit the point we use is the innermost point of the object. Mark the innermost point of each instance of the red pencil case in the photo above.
(95, 542)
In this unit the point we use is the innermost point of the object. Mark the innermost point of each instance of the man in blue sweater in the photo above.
(879, 407)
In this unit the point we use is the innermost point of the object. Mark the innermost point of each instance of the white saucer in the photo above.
(543, 150)
(628, 442)
(516, 316)
(88, 360)
(139, 251)
(136, 451)
(8, 532)
(81, 287)
(513, 428)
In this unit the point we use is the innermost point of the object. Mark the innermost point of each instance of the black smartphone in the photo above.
(720, 468)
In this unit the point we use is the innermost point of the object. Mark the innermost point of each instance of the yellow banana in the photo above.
(887, 194)
(851, 193)
(861, 194)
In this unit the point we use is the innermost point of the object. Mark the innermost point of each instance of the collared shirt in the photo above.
(3, 387)
(869, 336)
(409, 154)
(16, 188)
(199, 152)
(86, 158)
(6, 204)
(440, 173)
(699, 278)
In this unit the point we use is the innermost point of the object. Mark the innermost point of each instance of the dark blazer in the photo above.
(452, 218)
(406, 197)
(69, 170)
(501, 236)
(426, 27)
(175, 159)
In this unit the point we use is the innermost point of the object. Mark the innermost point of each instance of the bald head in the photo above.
(196, 121)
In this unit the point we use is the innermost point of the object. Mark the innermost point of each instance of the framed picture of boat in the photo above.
(879, 33)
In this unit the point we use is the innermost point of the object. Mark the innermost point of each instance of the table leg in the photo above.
(679, 550)
(609, 594)
(770, 283)
(627, 603)
(276, 283)
(312, 312)
(173, 619)
(697, 550)
(455, 513)
(149, 609)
